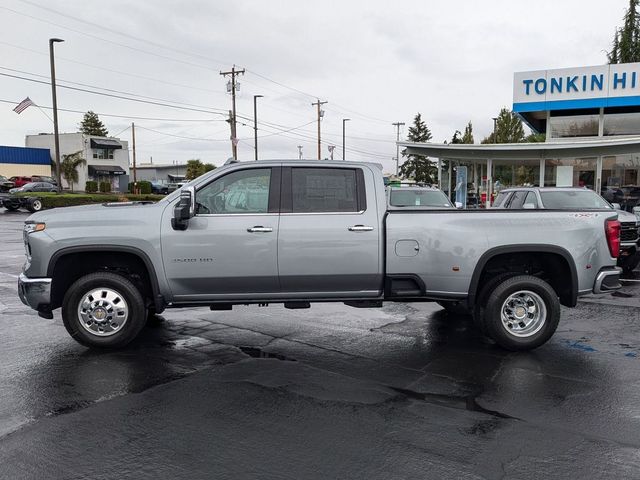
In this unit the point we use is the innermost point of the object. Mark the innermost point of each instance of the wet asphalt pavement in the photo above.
(405, 391)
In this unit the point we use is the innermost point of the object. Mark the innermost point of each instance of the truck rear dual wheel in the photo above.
(103, 310)
(521, 313)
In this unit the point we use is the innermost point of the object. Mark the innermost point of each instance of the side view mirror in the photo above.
(184, 209)
(529, 206)
(458, 205)
(616, 206)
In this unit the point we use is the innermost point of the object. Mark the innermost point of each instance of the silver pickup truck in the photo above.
(296, 232)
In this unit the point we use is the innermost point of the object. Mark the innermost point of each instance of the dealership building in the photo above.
(591, 118)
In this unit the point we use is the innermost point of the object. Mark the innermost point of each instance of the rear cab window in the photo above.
(323, 190)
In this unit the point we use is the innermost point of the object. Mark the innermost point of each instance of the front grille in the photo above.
(628, 232)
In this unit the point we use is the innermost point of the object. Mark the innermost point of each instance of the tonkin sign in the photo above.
(585, 87)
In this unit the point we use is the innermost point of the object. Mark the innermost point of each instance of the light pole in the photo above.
(255, 122)
(344, 120)
(56, 138)
(398, 125)
(495, 121)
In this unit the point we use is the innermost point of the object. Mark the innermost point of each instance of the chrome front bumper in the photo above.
(607, 280)
(34, 292)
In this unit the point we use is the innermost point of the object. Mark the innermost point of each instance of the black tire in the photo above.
(454, 307)
(11, 205)
(482, 298)
(34, 205)
(124, 288)
(545, 305)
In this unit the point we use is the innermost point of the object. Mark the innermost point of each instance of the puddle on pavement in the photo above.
(259, 353)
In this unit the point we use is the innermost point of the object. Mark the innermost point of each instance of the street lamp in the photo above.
(255, 122)
(56, 137)
(344, 120)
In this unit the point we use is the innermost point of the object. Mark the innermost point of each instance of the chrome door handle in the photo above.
(360, 228)
(259, 229)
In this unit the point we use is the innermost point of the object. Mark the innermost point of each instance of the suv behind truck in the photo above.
(298, 232)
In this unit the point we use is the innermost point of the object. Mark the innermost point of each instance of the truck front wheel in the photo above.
(522, 313)
(103, 310)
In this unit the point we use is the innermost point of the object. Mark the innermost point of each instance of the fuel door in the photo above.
(407, 248)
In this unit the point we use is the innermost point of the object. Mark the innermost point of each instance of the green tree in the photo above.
(195, 168)
(419, 167)
(467, 137)
(536, 138)
(208, 167)
(92, 125)
(508, 129)
(69, 167)
(626, 40)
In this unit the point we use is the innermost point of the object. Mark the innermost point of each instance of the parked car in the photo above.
(159, 188)
(564, 198)
(6, 184)
(35, 187)
(20, 181)
(172, 187)
(417, 198)
(317, 232)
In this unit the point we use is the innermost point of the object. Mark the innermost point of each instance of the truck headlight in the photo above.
(33, 227)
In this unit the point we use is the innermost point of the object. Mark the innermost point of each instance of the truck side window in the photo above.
(531, 199)
(244, 191)
(324, 190)
(517, 200)
(501, 200)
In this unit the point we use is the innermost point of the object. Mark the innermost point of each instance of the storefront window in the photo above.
(570, 172)
(622, 124)
(516, 173)
(574, 126)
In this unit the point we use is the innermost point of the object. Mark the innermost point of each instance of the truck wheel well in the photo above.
(70, 267)
(551, 267)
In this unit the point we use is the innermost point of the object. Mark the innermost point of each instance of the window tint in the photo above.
(531, 199)
(246, 191)
(423, 198)
(324, 190)
(517, 199)
(569, 199)
(501, 200)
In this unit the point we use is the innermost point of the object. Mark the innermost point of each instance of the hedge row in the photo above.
(144, 187)
(73, 199)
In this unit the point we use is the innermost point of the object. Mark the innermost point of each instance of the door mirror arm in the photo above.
(185, 209)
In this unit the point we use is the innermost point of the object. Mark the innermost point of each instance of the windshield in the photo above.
(569, 199)
(419, 198)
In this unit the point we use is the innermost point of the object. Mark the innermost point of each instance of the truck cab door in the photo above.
(229, 249)
(330, 234)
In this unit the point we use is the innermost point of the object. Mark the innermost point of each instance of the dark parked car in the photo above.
(5, 184)
(35, 187)
(159, 188)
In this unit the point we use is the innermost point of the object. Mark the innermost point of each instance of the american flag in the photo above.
(23, 105)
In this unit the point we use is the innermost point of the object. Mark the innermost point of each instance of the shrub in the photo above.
(105, 187)
(91, 186)
(144, 187)
(71, 200)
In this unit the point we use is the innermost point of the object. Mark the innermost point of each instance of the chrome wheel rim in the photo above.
(37, 205)
(103, 312)
(523, 313)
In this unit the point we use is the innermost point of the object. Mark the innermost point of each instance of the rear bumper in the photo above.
(35, 292)
(607, 280)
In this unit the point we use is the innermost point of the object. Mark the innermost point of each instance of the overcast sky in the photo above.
(375, 62)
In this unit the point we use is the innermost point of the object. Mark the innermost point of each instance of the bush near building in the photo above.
(105, 187)
(91, 186)
(144, 187)
(52, 200)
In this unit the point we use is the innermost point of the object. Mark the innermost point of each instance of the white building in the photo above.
(107, 157)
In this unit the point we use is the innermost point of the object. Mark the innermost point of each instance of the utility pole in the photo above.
(231, 87)
(255, 123)
(398, 125)
(299, 152)
(133, 141)
(56, 135)
(344, 120)
(331, 149)
(320, 115)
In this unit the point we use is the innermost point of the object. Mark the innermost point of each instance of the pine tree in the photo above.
(419, 167)
(509, 129)
(626, 41)
(92, 125)
(466, 138)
